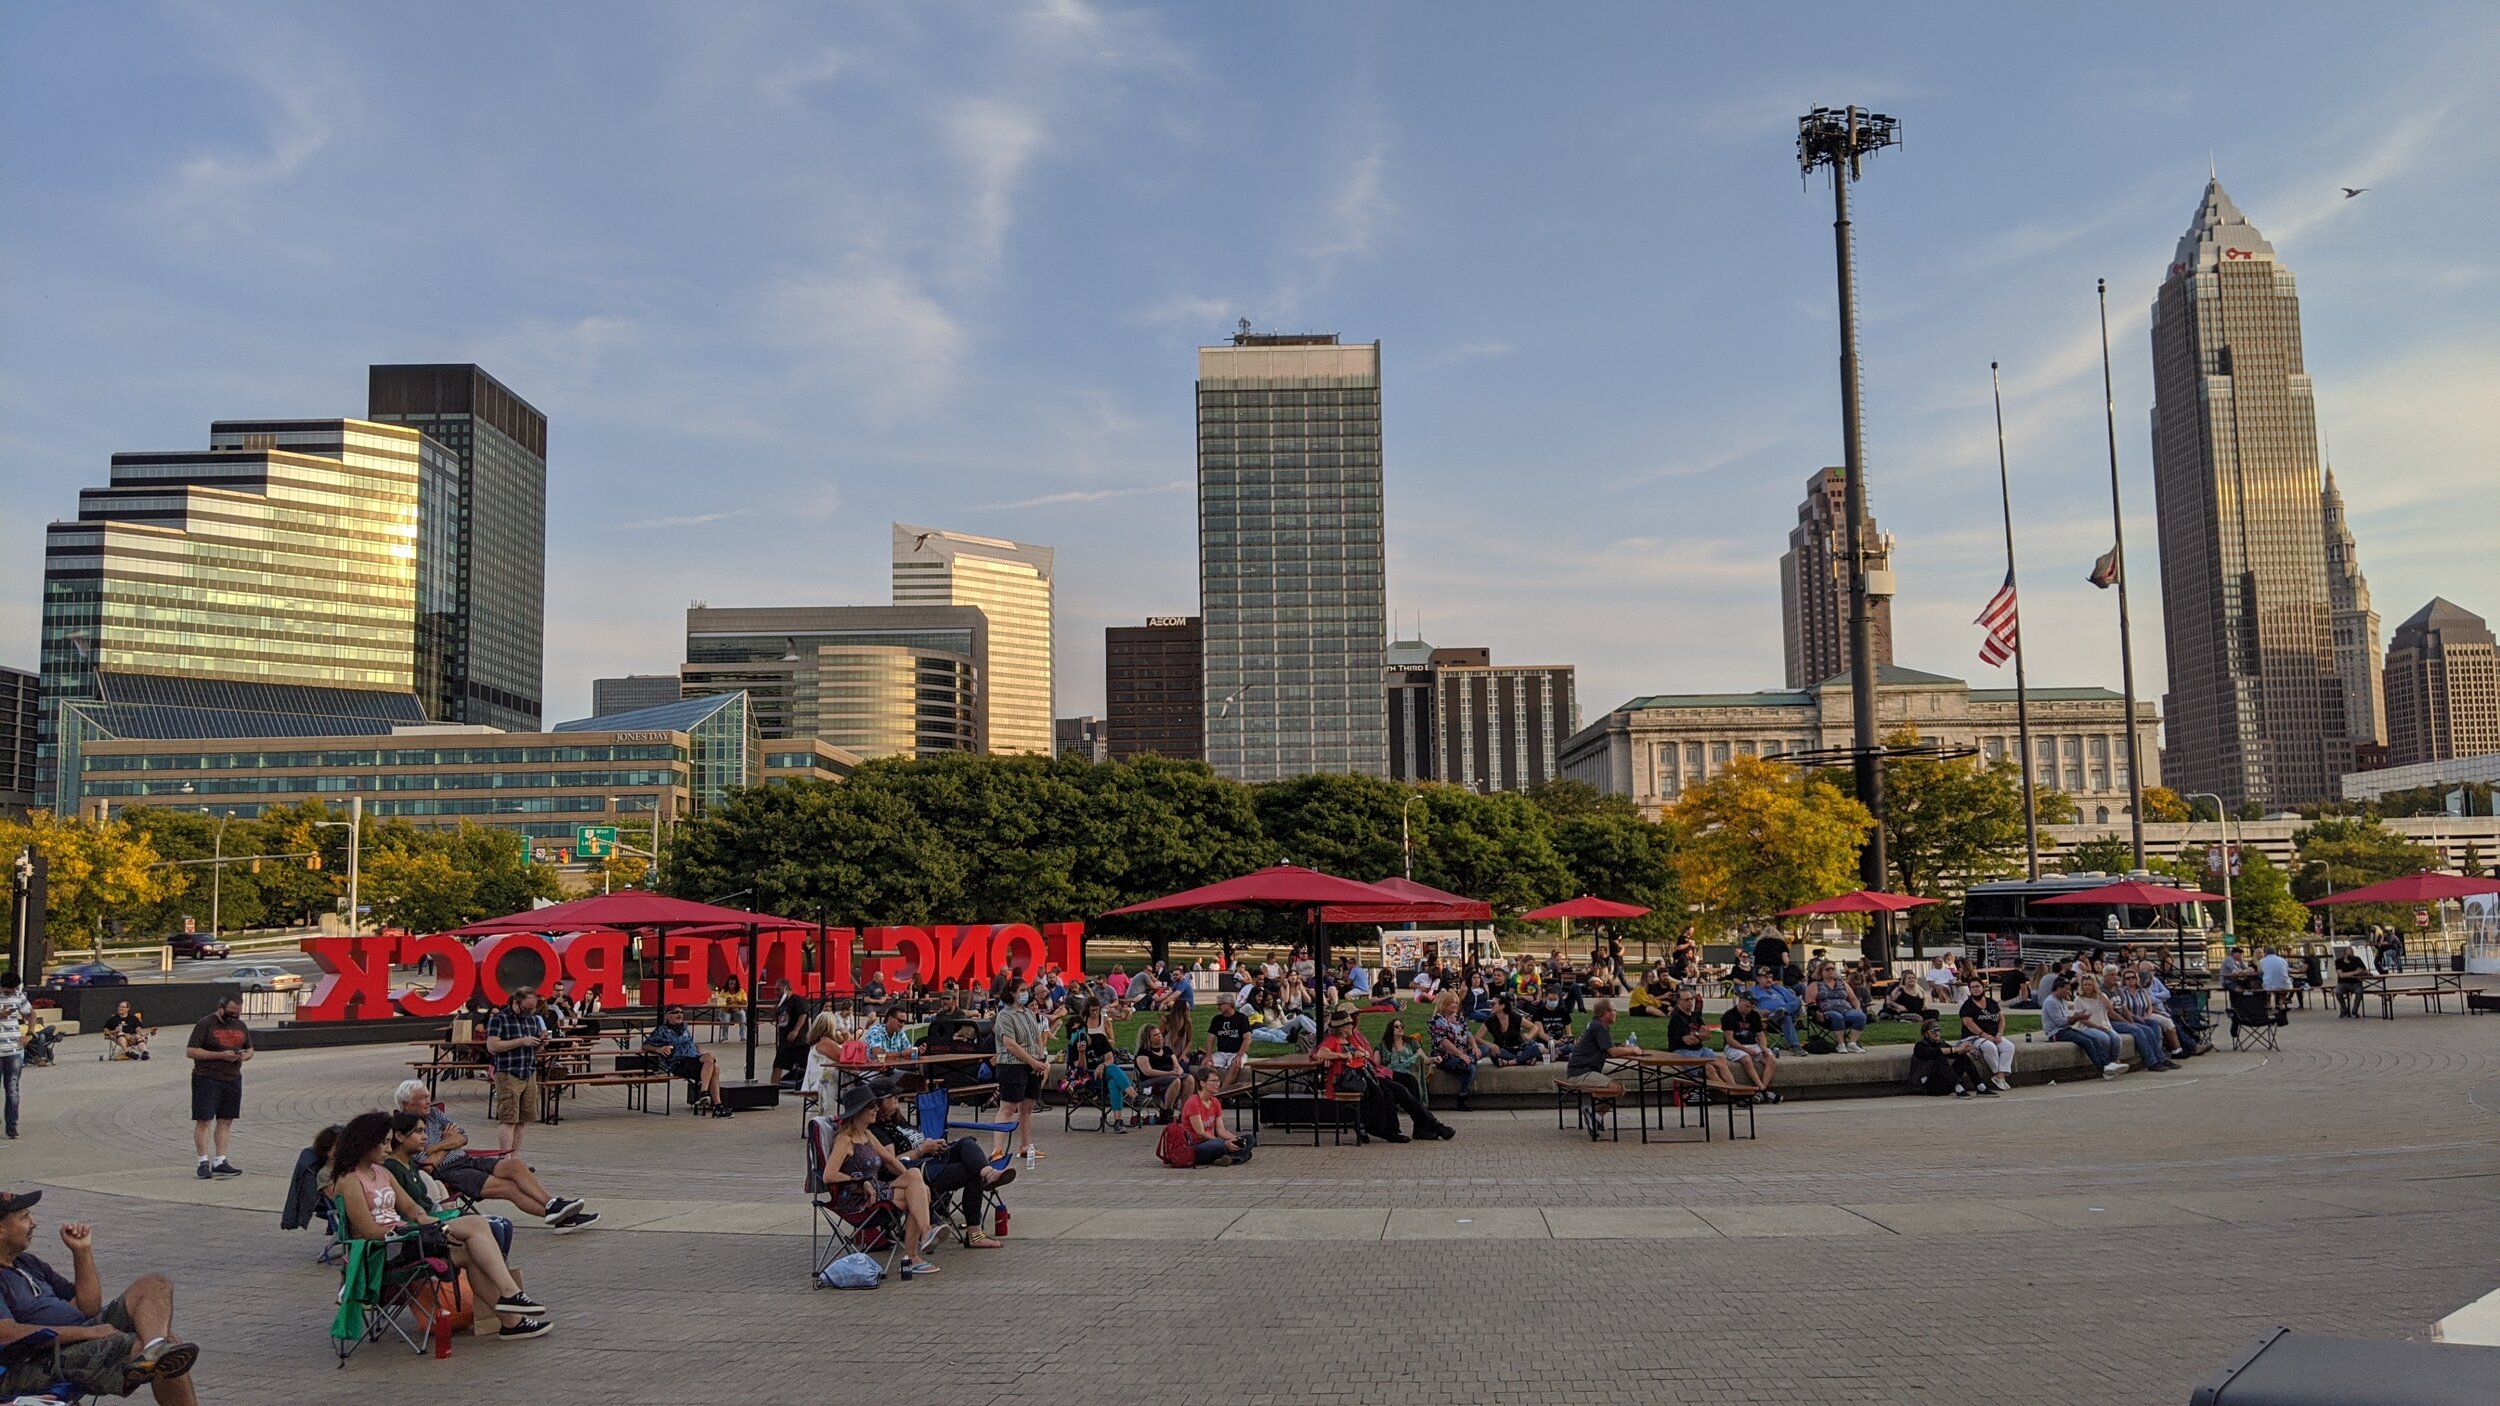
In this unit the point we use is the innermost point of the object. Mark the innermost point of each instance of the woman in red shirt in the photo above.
(1202, 1116)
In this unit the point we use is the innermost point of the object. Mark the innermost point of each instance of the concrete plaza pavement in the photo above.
(2103, 1242)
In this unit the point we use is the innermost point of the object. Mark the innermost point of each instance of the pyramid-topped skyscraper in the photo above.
(2255, 710)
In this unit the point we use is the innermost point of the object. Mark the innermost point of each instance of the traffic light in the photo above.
(312, 861)
(255, 866)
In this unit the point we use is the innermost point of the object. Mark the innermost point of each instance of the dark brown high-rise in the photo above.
(1154, 694)
(2255, 711)
(1814, 586)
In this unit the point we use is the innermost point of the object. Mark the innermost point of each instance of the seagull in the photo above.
(2351, 191)
(921, 541)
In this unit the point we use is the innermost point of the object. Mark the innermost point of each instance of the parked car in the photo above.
(265, 977)
(197, 944)
(89, 974)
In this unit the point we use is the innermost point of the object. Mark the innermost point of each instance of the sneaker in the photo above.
(562, 1209)
(205, 1173)
(1961, 1091)
(581, 1221)
(1987, 1091)
(2001, 1081)
(521, 1306)
(526, 1328)
(223, 1168)
(2112, 1069)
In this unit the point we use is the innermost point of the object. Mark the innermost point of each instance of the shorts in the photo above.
(687, 1068)
(216, 1099)
(95, 1365)
(516, 1099)
(1226, 1059)
(1016, 1082)
(468, 1175)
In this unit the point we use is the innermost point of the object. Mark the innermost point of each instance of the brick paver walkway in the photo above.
(2102, 1243)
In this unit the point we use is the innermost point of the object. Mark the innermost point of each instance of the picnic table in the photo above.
(2434, 987)
(845, 1071)
(1279, 1075)
(1661, 1080)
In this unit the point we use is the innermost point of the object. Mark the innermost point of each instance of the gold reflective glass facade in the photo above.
(1010, 582)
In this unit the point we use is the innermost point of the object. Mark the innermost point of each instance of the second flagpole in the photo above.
(2126, 633)
(2022, 691)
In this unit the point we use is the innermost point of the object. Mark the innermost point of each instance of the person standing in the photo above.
(789, 1035)
(220, 1045)
(1023, 1059)
(16, 1018)
(515, 1033)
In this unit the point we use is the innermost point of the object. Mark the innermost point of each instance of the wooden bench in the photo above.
(433, 1070)
(1598, 1106)
(637, 1091)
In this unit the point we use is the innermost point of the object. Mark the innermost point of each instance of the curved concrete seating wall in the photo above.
(1882, 1070)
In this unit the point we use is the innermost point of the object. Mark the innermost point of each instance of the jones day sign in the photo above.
(356, 984)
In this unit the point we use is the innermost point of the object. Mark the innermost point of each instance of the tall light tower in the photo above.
(1841, 141)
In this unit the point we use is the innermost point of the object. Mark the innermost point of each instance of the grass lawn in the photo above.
(1652, 1031)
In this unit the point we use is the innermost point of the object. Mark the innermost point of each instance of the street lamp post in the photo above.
(1842, 140)
(1406, 842)
(354, 825)
(2230, 920)
(217, 880)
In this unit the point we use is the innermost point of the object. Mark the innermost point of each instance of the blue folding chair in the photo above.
(935, 1106)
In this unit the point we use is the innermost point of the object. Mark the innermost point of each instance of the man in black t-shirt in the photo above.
(1770, 953)
(219, 1045)
(1227, 1035)
(1983, 1035)
(2349, 970)
(789, 1034)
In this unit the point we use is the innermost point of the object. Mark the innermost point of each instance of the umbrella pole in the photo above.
(753, 959)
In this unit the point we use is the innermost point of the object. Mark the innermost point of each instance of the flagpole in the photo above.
(2022, 690)
(2126, 634)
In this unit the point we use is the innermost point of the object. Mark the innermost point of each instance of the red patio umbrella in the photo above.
(1417, 903)
(2412, 888)
(634, 909)
(2133, 894)
(1585, 907)
(1282, 887)
(1858, 901)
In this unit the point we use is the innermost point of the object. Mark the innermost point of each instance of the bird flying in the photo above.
(2351, 191)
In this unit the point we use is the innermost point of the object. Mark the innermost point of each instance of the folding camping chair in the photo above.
(2253, 1021)
(842, 1226)
(378, 1299)
(39, 1347)
(935, 1110)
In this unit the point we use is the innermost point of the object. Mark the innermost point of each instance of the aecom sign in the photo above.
(356, 984)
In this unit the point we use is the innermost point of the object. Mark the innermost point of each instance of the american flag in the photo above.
(2003, 625)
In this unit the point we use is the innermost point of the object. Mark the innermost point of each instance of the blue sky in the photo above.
(779, 274)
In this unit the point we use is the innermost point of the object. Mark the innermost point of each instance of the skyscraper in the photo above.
(1461, 720)
(1814, 585)
(873, 680)
(2443, 687)
(2355, 627)
(494, 640)
(2256, 708)
(21, 709)
(1292, 581)
(1011, 583)
(1154, 688)
(632, 693)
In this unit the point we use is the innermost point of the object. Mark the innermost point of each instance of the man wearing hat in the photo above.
(1383, 1097)
(111, 1348)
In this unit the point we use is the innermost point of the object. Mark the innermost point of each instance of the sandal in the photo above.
(981, 1240)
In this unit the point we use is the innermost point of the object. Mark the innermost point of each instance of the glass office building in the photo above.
(1010, 582)
(496, 535)
(1292, 579)
(876, 681)
(675, 761)
(290, 554)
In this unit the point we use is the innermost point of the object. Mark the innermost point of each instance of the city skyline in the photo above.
(1621, 478)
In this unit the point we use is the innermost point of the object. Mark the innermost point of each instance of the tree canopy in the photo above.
(1759, 837)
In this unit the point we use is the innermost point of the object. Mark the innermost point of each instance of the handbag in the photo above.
(855, 1270)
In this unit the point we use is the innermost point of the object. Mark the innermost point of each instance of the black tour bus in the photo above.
(2005, 924)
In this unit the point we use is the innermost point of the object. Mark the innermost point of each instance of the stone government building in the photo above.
(1652, 748)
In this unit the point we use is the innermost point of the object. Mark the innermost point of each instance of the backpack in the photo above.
(1175, 1148)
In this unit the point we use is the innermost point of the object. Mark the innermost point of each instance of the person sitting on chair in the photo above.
(123, 1031)
(947, 1168)
(1905, 1001)
(863, 1174)
(1836, 1007)
(1352, 1062)
(111, 1349)
(377, 1207)
(2349, 971)
(1158, 1070)
(1779, 1007)
(486, 1175)
(681, 1056)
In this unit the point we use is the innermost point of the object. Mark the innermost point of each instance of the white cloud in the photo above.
(994, 141)
(873, 337)
(694, 520)
(1092, 495)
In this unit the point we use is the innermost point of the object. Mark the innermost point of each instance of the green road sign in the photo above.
(594, 841)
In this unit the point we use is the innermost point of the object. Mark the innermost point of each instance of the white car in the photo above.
(262, 977)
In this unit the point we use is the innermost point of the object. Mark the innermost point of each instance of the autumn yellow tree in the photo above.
(1759, 837)
(95, 871)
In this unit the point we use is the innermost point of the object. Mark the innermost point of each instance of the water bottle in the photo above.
(1029, 1158)
(998, 1220)
(1633, 1039)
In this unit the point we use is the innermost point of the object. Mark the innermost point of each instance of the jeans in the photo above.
(1840, 1018)
(1785, 1020)
(1115, 1082)
(1212, 1150)
(2099, 1048)
(2147, 1042)
(958, 1169)
(12, 1067)
(1460, 1068)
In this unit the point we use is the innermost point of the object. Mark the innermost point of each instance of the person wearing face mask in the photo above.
(675, 1046)
(1023, 1055)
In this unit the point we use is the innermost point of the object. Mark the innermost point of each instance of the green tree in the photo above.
(1758, 837)
(2105, 854)
(2472, 867)
(1614, 853)
(2163, 806)
(421, 889)
(199, 894)
(2262, 904)
(1565, 799)
(2053, 807)
(2341, 853)
(1340, 824)
(1498, 848)
(97, 873)
(861, 854)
